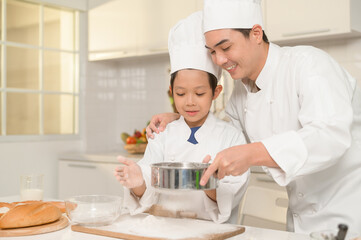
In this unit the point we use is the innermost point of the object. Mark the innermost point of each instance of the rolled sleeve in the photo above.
(289, 152)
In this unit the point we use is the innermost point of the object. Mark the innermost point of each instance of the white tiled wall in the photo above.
(122, 95)
(347, 52)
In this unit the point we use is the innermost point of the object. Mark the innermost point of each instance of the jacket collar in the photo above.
(205, 129)
(269, 67)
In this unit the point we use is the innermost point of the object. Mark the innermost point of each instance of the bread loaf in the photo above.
(31, 214)
(59, 204)
(4, 207)
(7, 205)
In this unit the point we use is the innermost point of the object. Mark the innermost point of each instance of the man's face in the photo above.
(233, 52)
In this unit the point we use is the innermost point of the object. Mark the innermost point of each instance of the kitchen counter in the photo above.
(251, 233)
(108, 157)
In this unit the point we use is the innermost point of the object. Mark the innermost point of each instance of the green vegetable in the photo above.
(124, 137)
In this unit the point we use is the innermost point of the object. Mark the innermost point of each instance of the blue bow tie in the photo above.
(192, 139)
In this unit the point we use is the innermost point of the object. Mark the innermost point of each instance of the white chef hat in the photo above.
(186, 46)
(221, 14)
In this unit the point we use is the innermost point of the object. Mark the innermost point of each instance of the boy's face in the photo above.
(193, 96)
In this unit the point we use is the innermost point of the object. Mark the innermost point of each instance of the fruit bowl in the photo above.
(135, 148)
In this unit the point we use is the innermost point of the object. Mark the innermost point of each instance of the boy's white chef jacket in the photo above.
(172, 145)
(308, 116)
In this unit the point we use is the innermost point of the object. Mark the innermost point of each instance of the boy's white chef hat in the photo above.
(186, 46)
(221, 14)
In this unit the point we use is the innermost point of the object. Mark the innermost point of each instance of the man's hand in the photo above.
(212, 194)
(228, 162)
(237, 160)
(159, 122)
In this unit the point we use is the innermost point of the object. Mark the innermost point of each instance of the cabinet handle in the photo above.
(306, 32)
(282, 202)
(81, 166)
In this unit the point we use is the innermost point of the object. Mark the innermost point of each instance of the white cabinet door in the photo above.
(78, 178)
(158, 17)
(123, 28)
(199, 5)
(295, 19)
(112, 29)
(264, 181)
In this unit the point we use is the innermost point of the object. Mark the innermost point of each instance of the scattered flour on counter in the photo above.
(169, 228)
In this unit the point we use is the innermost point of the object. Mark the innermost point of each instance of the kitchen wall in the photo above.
(17, 158)
(121, 96)
(347, 52)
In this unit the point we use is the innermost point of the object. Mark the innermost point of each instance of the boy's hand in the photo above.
(130, 175)
(159, 122)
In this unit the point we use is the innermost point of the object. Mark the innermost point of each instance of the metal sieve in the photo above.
(181, 176)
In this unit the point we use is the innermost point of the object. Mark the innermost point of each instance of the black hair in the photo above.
(246, 32)
(211, 78)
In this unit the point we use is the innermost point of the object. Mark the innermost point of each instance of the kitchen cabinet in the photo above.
(89, 174)
(112, 29)
(259, 178)
(296, 21)
(122, 28)
(83, 178)
(158, 17)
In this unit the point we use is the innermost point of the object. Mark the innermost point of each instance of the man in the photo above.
(301, 112)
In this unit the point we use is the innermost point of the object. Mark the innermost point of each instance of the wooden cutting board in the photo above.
(140, 227)
(45, 228)
(125, 236)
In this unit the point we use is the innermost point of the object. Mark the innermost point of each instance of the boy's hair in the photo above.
(246, 31)
(212, 80)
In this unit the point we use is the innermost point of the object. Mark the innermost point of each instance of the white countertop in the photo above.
(110, 157)
(251, 233)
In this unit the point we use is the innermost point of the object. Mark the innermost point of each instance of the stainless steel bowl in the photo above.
(181, 175)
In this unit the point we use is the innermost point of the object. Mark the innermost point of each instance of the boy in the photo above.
(196, 134)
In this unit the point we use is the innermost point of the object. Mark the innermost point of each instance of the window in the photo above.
(39, 90)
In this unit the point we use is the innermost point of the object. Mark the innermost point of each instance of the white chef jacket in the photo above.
(308, 116)
(172, 145)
